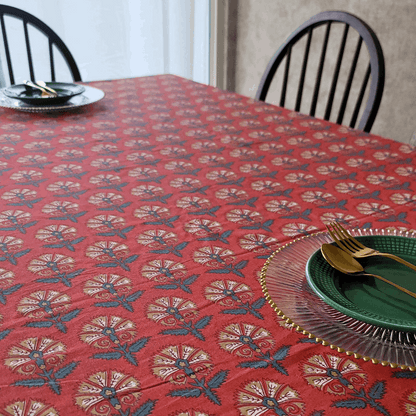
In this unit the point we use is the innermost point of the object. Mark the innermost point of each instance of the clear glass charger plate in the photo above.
(285, 287)
(89, 96)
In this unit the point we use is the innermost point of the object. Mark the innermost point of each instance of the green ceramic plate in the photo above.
(366, 298)
(33, 96)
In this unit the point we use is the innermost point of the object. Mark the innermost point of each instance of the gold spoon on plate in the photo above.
(45, 93)
(49, 89)
(345, 263)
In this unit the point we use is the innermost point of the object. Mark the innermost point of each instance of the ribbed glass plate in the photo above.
(285, 287)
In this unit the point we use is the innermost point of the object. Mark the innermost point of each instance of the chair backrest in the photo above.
(54, 40)
(375, 69)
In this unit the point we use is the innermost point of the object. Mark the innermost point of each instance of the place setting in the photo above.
(354, 291)
(44, 97)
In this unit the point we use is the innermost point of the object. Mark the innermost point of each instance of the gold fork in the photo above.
(352, 246)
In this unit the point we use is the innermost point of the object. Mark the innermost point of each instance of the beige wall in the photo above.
(259, 27)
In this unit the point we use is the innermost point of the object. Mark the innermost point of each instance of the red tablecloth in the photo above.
(132, 235)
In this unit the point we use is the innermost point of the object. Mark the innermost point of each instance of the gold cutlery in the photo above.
(45, 93)
(349, 244)
(43, 85)
(345, 263)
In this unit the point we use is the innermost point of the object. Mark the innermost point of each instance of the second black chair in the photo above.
(375, 69)
(54, 41)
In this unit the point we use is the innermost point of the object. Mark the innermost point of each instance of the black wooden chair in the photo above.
(375, 69)
(54, 42)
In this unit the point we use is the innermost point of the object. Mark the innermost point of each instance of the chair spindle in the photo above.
(29, 52)
(303, 73)
(51, 59)
(360, 97)
(336, 74)
(285, 77)
(349, 82)
(7, 50)
(320, 69)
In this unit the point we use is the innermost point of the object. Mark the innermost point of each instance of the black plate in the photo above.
(31, 95)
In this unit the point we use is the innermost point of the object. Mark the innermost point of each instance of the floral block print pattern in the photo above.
(132, 236)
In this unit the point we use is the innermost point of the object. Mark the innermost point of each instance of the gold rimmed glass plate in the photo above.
(285, 287)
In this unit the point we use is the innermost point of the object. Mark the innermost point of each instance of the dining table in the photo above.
(154, 257)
